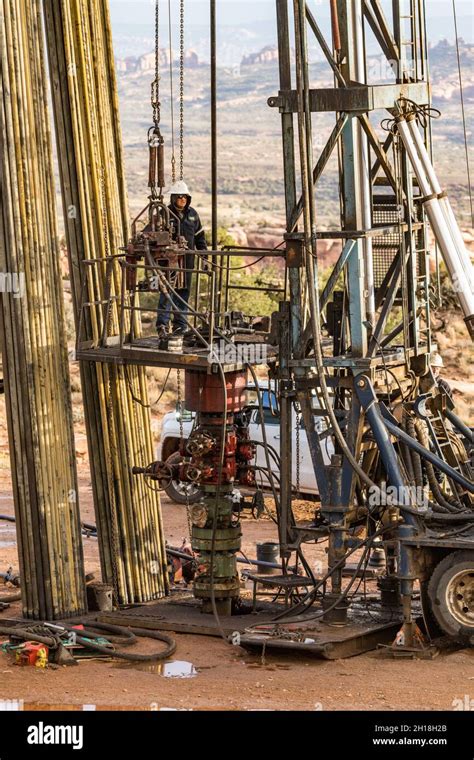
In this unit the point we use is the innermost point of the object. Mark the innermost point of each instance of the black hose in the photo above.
(125, 636)
(406, 456)
(433, 483)
(10, 598)
(26, 635)
(87, 528)
(415, 457)
(154, 657)
(452, 517)
(120, 635)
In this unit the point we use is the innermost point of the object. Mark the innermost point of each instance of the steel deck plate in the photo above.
(183, 615)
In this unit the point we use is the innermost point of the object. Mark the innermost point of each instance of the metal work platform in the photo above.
(182, 613)
(146, 352)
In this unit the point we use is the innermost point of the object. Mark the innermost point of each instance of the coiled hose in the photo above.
(88, 639)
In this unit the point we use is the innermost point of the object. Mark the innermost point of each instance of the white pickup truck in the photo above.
(168, 448)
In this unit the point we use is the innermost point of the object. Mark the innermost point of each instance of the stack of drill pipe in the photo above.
(442, 220)
(95, 204)
(32, 335)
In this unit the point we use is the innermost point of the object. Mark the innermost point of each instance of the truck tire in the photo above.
(451, 595)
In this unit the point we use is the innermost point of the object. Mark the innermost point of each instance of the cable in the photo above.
(310, 595)
(217, 494)
(139, 400)
(235, 269)
(423, 113)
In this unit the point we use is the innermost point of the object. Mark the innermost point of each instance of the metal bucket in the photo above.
(268, 551)
(99, 597)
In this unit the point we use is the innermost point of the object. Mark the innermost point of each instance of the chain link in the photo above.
(298, 449)
(115, 547)
(155, 85)
(180, 407)
(181, 441)
(181, 90)
(170, 54)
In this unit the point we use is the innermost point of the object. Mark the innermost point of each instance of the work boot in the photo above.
(179, 329)
(163, 334)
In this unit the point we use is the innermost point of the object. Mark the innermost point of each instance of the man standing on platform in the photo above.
(192, 230)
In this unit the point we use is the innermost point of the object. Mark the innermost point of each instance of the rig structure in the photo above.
(399, 477)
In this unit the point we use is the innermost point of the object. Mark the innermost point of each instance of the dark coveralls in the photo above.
(192, 230)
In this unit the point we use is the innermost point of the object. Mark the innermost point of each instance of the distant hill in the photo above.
(146, 62)
(250, 172)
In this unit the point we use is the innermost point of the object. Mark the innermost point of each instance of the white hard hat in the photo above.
(437, 360)
(179, 188)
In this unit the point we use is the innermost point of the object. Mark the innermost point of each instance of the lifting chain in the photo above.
(181, 89)
(106, 327)
(115, 547)
(298, 449)
(155, 86)
(180, 407)
(170, 53)
(181, 93)
(181, 442)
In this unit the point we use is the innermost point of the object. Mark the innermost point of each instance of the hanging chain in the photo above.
(298, 449)
(106, 327)
(155, 85)
(180, 407)
(111, 449)
(181, 441)
(173, 157)
(181, 90)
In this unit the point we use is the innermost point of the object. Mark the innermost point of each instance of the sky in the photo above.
(251, 11)
(245, 26)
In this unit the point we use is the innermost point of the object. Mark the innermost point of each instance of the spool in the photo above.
(205, 393)
(175, 344)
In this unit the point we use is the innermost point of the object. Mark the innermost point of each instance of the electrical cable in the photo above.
(367, 544)
(311, 593)
(140, 401)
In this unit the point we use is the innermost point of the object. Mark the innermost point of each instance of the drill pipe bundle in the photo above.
(441, 217)
(32, 333)
(94, 194)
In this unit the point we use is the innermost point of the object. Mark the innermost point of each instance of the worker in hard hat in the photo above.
(192, 230)
(437, 365)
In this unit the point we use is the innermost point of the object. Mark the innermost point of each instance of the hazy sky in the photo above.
(241, 11)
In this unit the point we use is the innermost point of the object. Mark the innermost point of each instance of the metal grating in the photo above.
(385, 247)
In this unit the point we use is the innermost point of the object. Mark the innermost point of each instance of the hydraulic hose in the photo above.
(10, 598)
(415, 457)
(126, 637)
(433, 483)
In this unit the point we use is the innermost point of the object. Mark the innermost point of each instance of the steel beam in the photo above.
(355, 98)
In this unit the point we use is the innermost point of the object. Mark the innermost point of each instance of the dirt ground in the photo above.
(227, 677)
